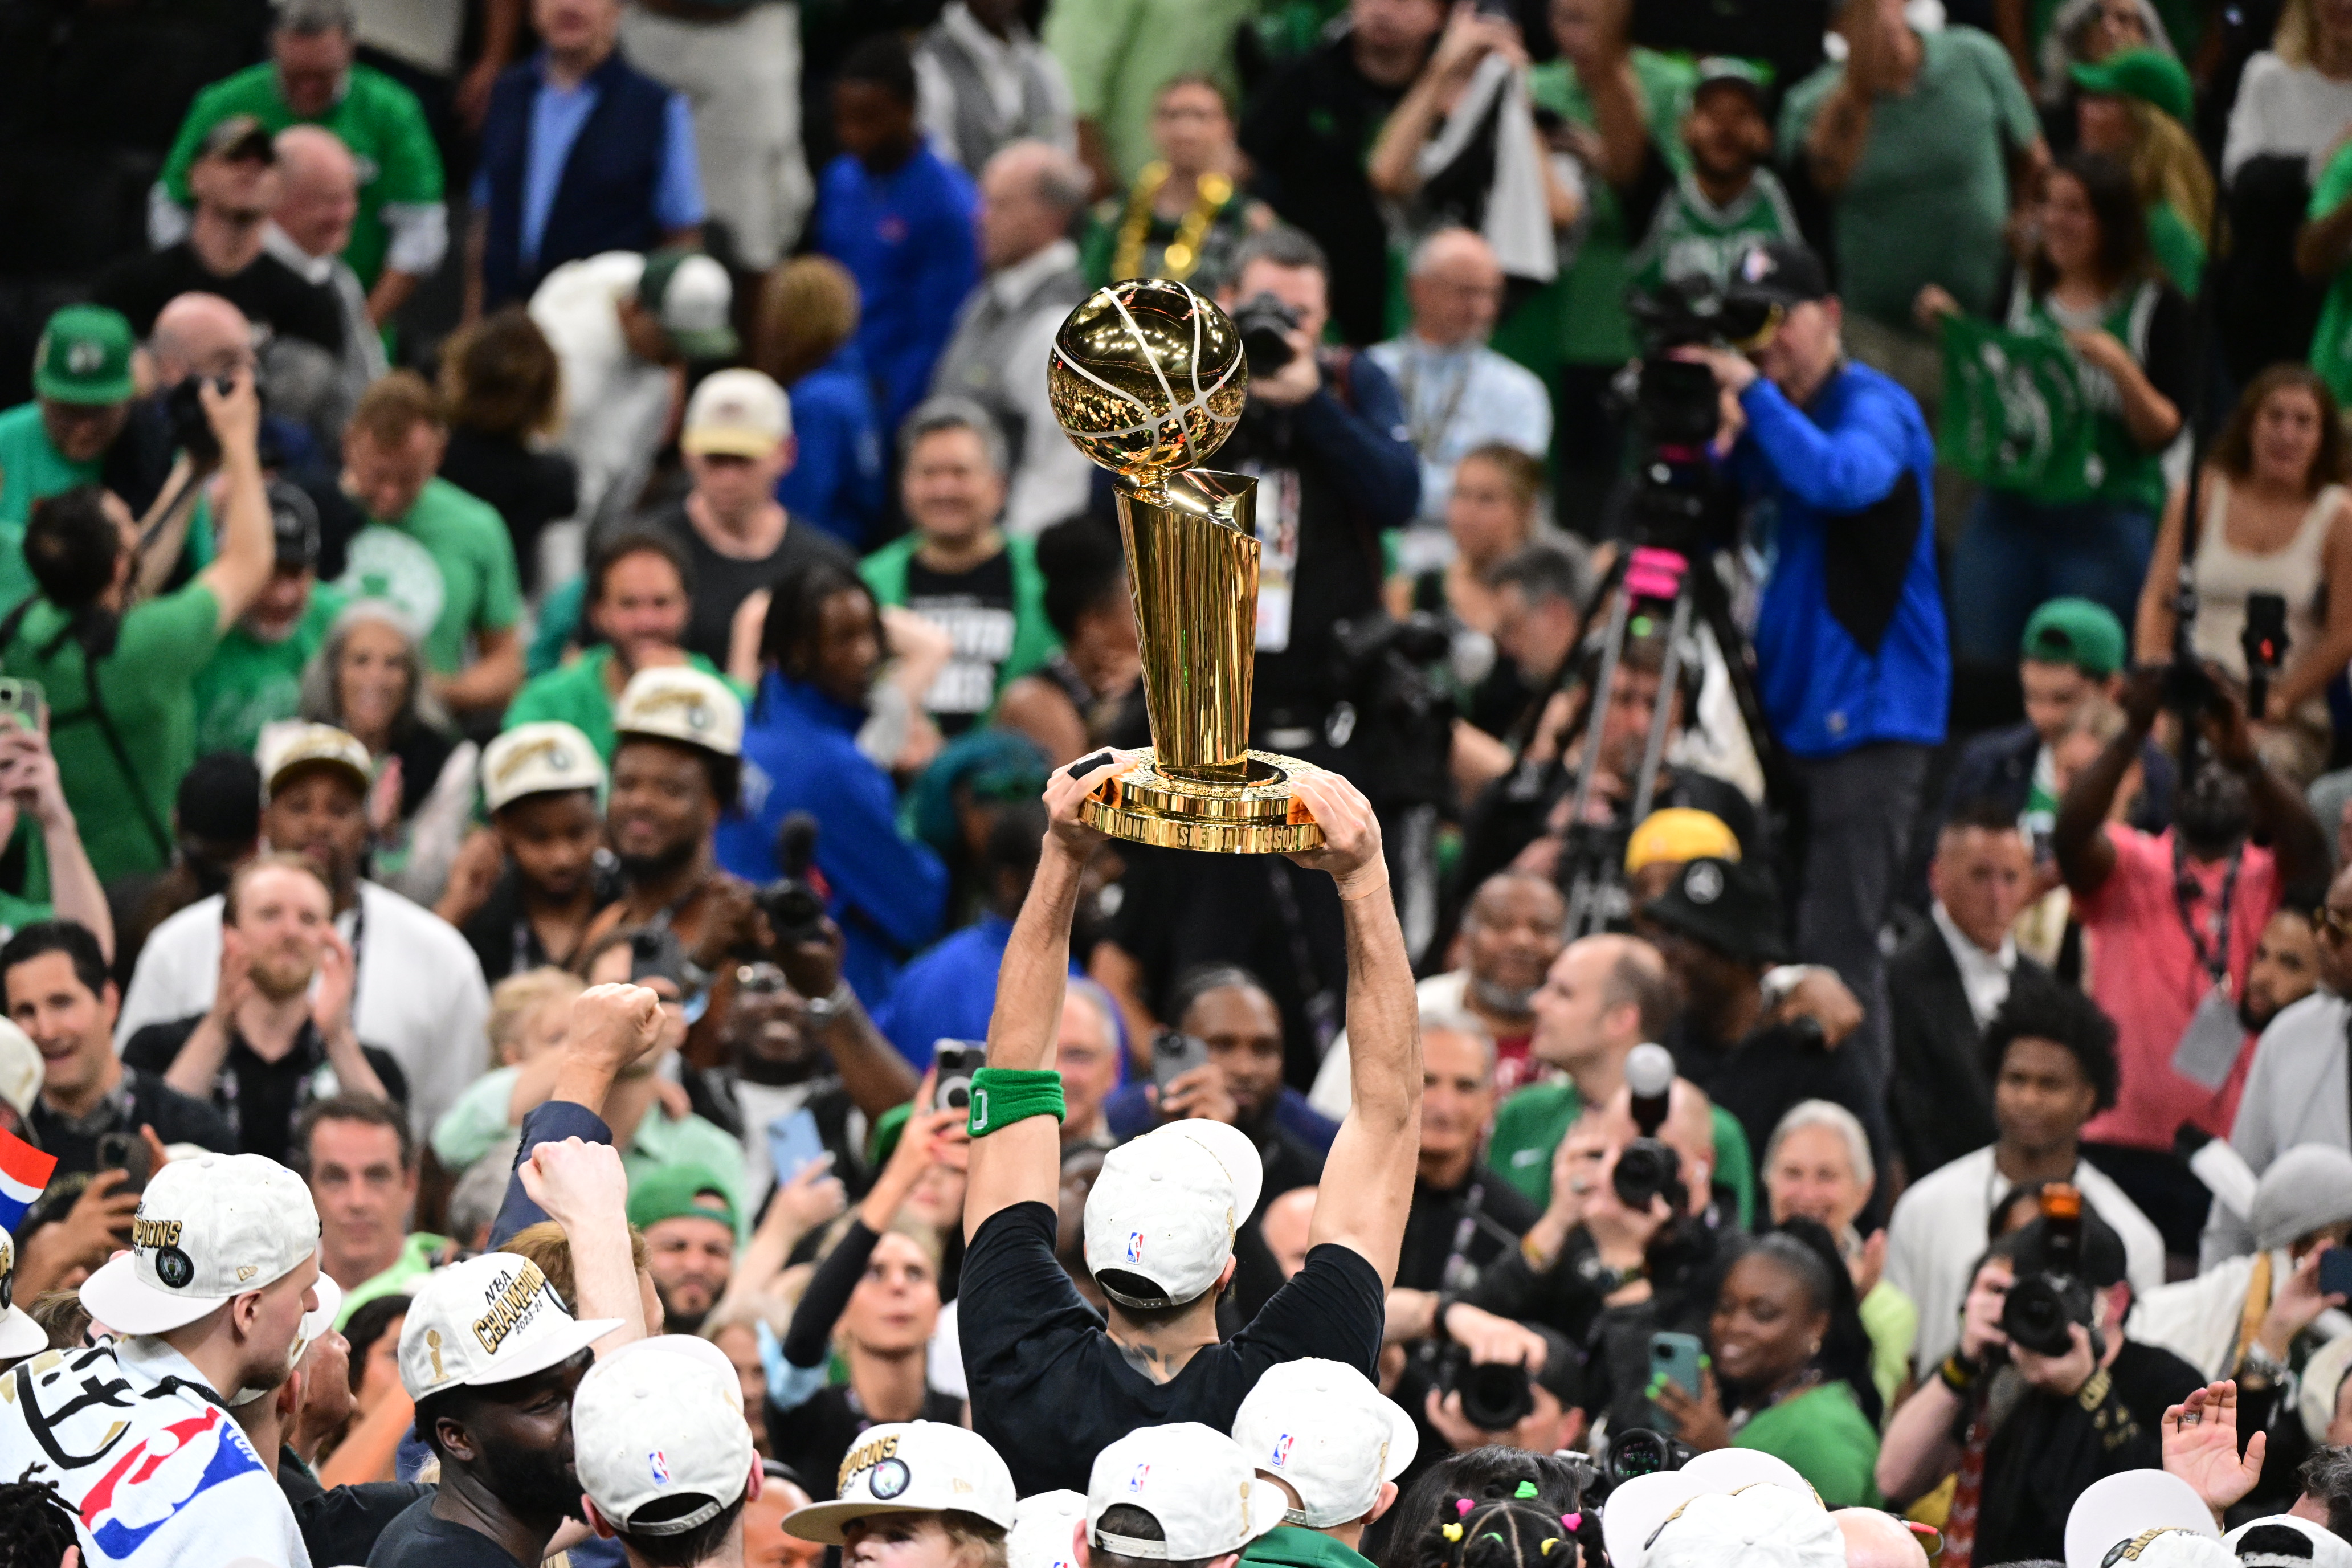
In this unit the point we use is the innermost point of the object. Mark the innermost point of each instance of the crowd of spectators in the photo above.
(558, 1001)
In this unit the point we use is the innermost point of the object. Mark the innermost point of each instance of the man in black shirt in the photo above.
(522, 894)
(1718, 928)
(267, 1046)
(235, 183)
(1051, 1388)
(1465, 1217)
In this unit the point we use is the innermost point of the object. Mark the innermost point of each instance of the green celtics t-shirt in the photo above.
(1530, 1124)
(448, 565)
(575, 693)
(1928, 201)
(124, 820)
(379, 120)
(1690, 235)
(1589, 296)
(248, 683)
(2331, 344)
(30, 469)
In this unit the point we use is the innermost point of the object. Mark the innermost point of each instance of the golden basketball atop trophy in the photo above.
(1148, 379)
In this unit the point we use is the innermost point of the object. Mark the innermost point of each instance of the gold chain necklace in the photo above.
(1211, 193)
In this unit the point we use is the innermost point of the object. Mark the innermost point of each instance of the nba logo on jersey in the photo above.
(160, 1475)
(1135, 1246)
(1282, 1450)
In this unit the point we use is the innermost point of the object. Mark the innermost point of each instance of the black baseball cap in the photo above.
(1727, 905)
(294, 518)
(219, 799)
(1778, 272)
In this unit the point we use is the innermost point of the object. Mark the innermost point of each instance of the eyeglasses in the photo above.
(2331, 924)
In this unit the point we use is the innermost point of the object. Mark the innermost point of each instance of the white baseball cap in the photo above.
(911, 1467)
(656, 1420)
(690, 294)
(2127, 1505)
(1165, 1208)
(19, 1335)
(677, 702)
(543, 758)
(2271, 1543)
(1639, 1506)
(1760, 1526)
(2170, 1546)
(491, 1318)
(1194, 1480)
(285, 747)
(735, 414)
(1327, 1429)
(207, 1229)
(1043, 1527)
(2322, 1379)
(21, 1074)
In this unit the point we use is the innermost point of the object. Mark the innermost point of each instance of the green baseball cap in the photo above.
(2150, 76)
(690, 295)
(1732, 71)
(672, 1192)
(85, 356)
(2080, 632)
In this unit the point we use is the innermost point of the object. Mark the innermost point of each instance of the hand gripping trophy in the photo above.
(1147, 379)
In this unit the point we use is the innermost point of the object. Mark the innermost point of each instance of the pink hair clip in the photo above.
(1462, 1507)
(1574, 1521)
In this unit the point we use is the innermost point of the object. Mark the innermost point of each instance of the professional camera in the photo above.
(1266, 324)
(2043, 1307)
(184, 413)
(1387, 693)
(794, 903)
(1638, 1451)
(1647, 1168)
(1495, 1396)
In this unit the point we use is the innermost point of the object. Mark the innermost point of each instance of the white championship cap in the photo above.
(285, 747)
(911, 1467)
(1642, 1504)
(207, 1229)
(2283, 1541)
(1163, 1212)
(1760, 1526)
(1044, 1528)
(1193, 1479)
(491, 1318)
(655, 1421)
(547, 757)
(735, 414)
(2121, 1508)
(1325, 1429)
(21, 1073)
(677, 702)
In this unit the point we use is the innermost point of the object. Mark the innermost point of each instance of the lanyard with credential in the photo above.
(2212, 957)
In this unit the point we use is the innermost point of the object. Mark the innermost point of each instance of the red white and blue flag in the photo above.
(23, 1172)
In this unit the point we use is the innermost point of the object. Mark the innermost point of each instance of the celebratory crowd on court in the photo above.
(560, 998)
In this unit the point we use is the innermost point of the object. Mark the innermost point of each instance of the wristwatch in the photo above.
(1605, 1278)
(824, 1012)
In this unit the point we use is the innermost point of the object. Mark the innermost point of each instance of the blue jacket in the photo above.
(800, 754)
(948, 993)
(1850, 641)
(1130, 1115)
(907, 238)
(836, 482)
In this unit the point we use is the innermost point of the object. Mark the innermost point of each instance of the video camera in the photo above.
(1678, 502)
(794, 903)
(2043, 1307)
(1383, 675)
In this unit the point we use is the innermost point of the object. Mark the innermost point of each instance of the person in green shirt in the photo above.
(1772, 1318)
(1728, 201)
(122, 710)
(255, 677)
(1324, 1434)
(82, 389)
(2324, 250)
(1117, 53)
(31, 787)
(2135, 107)
(442, 557)
(401, 229)
(638, 604)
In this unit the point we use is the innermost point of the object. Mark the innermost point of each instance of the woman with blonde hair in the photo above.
(2295, 97)
(2133, 108)
(806, 340)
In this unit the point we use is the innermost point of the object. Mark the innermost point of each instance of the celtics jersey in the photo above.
(1690, 233)
(2124, 474)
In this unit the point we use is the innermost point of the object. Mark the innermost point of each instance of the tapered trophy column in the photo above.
(1147, 380)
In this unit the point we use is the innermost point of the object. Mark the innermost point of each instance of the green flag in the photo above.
(2014, 416)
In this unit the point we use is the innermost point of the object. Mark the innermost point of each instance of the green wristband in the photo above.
(1002, 1096)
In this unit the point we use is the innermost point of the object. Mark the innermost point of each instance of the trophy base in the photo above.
(1260, 814)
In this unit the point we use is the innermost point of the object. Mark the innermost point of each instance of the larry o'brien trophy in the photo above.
(1148, 379)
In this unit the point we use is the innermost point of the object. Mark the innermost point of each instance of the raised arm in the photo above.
(1022, 1163)
(2086, 858)
(249, 547)
(1367, 1185)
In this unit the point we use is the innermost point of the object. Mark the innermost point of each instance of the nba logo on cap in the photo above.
(1135, 1481)
(1282, 1450)
(1135, 1246)
(659, 1465)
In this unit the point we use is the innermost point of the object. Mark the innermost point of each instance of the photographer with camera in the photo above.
(2045, 1394)
(1852, 659)
(2176, 917)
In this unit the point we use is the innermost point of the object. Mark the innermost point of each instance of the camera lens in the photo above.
(2037, 1314)
(1497, 1397)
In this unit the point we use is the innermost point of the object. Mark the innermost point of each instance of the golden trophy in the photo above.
(1147, 379)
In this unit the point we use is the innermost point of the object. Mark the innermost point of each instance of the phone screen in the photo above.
(794, 1143)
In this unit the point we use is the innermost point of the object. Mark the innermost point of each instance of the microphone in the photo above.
(1650, 1074)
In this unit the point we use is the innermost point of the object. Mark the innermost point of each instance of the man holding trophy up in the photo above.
(1148, 379)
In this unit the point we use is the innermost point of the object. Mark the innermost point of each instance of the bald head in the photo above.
(1456, 288)
(1286, 1225)
(1876, 1540)
(200, 334)
(319, 189)
(1028, 193)
(1603, 996)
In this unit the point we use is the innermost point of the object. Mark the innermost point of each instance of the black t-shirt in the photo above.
(341, 1524)
(1433, 1230)
(975, 609)
(501, 935)
(814, 1437)
(417, 1540)
(141, 1098)
(1049, 1389)
(270, 293)
(260, 1098)
(1759, 1078)
(721, 583)
(529, 490)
